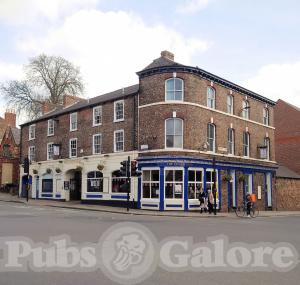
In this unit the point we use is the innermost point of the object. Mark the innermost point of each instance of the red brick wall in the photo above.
(287, 135)
(152, 118)
(84, 133)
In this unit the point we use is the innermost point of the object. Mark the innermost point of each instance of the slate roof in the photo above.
(284, 172)
(163, 64)
(162, 61)
(17, 135)
(111, 96)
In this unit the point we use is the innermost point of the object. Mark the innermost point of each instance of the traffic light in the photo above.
(134, 169)
(26, 165)
(123, 168)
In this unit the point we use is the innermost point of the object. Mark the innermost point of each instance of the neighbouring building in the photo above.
(187, 128)
(9, 150)
(287, 145)
(287, 135)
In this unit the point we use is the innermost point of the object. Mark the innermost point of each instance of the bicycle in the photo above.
(241, 211)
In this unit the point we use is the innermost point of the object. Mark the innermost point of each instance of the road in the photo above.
(40, 223)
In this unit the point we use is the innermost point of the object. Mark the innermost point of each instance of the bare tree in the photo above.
(47, 79)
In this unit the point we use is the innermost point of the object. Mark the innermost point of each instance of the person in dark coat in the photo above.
(202, 198)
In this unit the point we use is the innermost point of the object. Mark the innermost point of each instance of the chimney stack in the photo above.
(70, 100)
(168, 55)
(10, 118)
(47, 107)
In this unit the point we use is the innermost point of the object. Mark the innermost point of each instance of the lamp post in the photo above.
(214, 186)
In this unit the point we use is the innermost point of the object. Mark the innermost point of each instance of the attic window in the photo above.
(6, 151)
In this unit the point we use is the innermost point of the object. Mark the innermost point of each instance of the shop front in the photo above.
(174, 183)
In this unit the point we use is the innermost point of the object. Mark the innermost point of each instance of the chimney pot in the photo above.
(167, 54)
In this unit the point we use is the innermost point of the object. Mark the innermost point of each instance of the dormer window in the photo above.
(174, 89)
(211, 98)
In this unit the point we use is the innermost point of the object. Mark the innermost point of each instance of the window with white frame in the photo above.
(246, 144)
(50, 151)
(97, 116)
(119, 111)
(31, 153)
(97, 143)
(174, 133)
(229, 104)
(174, 89)
(211, 137)
(73, 148)
(245, 109)
(95, 181)
(195, 183)
(266, 116)
(267, 145)
(50, 127)
(173, 183)
(211, 178)
(211, 97)
(230, 141)
(31, 132)
(150, 184)
(248, 183)
(73, 122)
(119, 140)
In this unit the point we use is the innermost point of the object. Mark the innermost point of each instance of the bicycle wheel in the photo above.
(240, 211)
(254, 212)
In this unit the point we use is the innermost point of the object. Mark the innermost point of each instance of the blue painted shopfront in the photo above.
(154, 194)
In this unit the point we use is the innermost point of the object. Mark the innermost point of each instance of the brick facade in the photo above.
(287, 136)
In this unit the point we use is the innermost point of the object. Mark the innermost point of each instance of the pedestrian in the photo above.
(248, 203)
(202, 197)
(210, 201)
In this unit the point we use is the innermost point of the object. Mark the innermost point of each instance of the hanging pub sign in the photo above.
(263, 152)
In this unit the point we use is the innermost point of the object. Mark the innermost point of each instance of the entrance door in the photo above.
(269, 189)
(75, 186)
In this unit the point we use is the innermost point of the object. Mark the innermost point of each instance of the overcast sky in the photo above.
(254, 43)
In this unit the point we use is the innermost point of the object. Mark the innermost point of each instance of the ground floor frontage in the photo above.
(174, 183)
(166, 183)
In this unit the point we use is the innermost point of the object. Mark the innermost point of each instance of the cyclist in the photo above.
(248, 203)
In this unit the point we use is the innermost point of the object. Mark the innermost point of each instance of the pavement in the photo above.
(5, 197)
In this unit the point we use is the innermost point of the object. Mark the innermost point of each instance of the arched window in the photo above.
(174, 133)
(211, 97)
(211, 137)
(246, 144)
(267, 145)
(174, 89)
(266, 116)
(95, 181)
(245, 109)
(229, 104)
(230, 141)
